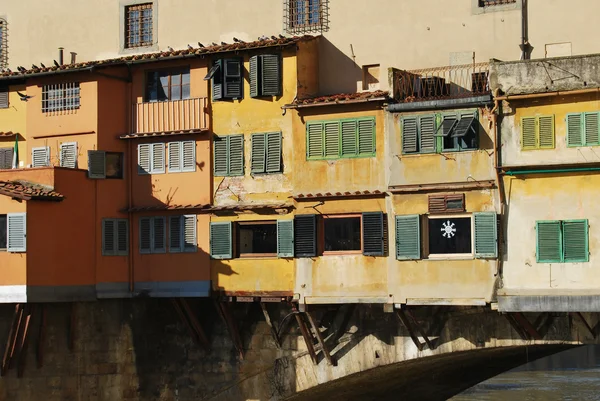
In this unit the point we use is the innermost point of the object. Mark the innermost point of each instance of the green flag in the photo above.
(15, 163)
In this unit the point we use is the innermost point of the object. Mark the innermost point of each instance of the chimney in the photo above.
(60, 55)
(73, 55)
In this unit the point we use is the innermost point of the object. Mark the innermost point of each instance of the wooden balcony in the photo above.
(170, 116)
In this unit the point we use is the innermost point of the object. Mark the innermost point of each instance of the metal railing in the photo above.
(447, 82)
(170, 116)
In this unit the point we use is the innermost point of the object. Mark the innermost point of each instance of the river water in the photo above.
(570, 375)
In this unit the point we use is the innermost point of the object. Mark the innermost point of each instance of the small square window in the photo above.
(342, 234)
(168, 85)
(138, 25)
(257, 239)
(450, 236)
(304, 16)
(114, 165)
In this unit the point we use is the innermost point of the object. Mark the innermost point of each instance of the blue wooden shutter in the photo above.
(271, 75)
(235, 155)
(233, 83)
(190, 241)
(144, 165)
(159, 235)
(372, 232)
(122, 234)
(305, 236)
(409, 135)
(217, 79)
(529, 137)
(549, 242)
(366, 136)
(273, 152)
(220, 156)
(254, 76)
(175, 234)
(220, 240)
(314, 140)
(349, 138)
(332, 139)
(188, 154)
(108, 237)
(575, 241)
(175, 159)
(158, 158)
(285, 238)
(574, 129)
(546, 132)
(258, 156)
(96, 164)
(486, 232)
(145, 235)
(16, 236)
(591, 127)
(408, 237)
(427, 133)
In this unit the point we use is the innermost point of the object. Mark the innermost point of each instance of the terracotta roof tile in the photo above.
(346, 194)
(208, 208)
(166, 133)
(341, 98)
(163, 55)
(28, 191)
(165, 207)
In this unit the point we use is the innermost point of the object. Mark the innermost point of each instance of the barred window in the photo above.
(138, 25)
(304, 16)
(61, 97)
(490, 3)
(3, 44)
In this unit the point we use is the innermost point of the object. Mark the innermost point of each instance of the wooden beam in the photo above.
(320, 340)
(231, 325)
(40, 339)
(195, 324)
(15, 339)
(516, 327)
(9, 342)
(580, 317)
(528, 327)
(419, 329)
(404, 320)
(24, 341)
(307, 338)
(274, 334)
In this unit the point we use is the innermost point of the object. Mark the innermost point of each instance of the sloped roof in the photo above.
(341, 98)
(29, 191)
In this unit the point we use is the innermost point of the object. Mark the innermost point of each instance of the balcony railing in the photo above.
(170, 116)
(450, 82)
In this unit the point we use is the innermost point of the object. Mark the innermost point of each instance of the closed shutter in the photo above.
(305, 236)
(349, 145)
(528, 133)
(372, 231)
(175, 234)
(108, 237)
(314, 140)
(271, 75)
(273, 164)
(145, 235)
(220, 156)
(575, 240)
(549, 241)
(285, 238)
(233, 79)
(68, 155)
(159, 235)
(40, 157)
(408, 237)
(427, 133)
(574, 133)
(254, 83)
(258, 153)
(366, 137)
(6, 158)
(591, 129)
(174, 157)
(96, 164)
(217, 79)
(188, 151)
(16, 232)
(158, 158)
(144, 151)
(3, 98)
(409, 135)
(190, 242)
(220, 240)
(332, 139)
(235, 154)
(546, 130)
(122, 237)
(486, 241)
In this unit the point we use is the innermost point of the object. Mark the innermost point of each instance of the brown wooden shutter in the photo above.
(447, 203)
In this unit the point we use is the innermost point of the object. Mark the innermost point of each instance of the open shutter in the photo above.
(529, 138)
(220, 156)
(409, 135)
(549, 241)
(233, 79)
(68, 155)
(305, 236)
(254, 74)
(427, 130)
(158, 158)
(175, 230)
(408, 237)
(546, 130)
(108, 237)
(258, 153)
(372, 231)
(332, 139)
(448, 125)
(145, 235)
(144, 151)
(190, 241)
(575, 240)
(486, 231)
(271, 75)
(216, 73)
(366, 137)
(285, 238)
(16, 232)
(3, 98)
(40, 157)
(591, 129)
(574, 129)
(236, 155)
(96, 164)
(159, 235)
(273, 163)
(314, 140)
(349, 145)
(174, 157)
(188, 151)
(220, 240)
(122, 236)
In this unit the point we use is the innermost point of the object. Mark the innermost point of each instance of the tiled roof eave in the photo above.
(164, 133)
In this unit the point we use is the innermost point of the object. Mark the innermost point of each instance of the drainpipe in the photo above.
(128, 122)
(497, 135)
(553, 171)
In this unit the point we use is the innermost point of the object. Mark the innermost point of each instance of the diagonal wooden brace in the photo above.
(320, 340)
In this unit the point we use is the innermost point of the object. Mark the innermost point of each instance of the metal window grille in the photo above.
(138, 23)
(491, 3)
(306, 16)
(3, 44)
(61, 97)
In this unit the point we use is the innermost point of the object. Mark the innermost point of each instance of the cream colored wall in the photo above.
(404, 34)
(13, 119)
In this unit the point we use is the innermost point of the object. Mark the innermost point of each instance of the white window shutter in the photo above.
(16, 232)
(40, 157)
(174, 157)
(189, 233)
(189, 156)
(68, 154)
(158, 158)
(96, 164)
(175, 230)
(144, 154)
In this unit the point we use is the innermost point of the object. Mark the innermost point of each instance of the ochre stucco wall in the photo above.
(14, 119)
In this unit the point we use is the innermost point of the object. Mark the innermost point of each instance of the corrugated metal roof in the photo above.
(29, 191)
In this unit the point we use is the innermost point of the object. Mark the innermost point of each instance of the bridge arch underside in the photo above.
(436, 377)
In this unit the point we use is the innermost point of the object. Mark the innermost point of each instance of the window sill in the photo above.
(453, 152)
(461, 256)
(338, 253)
(311, 159)
(258, 256)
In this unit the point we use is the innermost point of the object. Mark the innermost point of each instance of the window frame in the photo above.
(447, 256)
(171, 72)
(293, 25)
(236, 239)
(128, 34)
(562, 242)
(583, 116)
(340, 155)
(321, 234)
(62, 100)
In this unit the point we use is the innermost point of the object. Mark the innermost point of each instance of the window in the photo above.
(182, 233)
(583, 129)
(61, 97)
(304, 16)
(3, 98)
(227, 79)
(102, 164)
(229, 155)
(537, 132)
(168, 85)
(265, 75)
(13, 232)
(153, 235)
(336, 139)
(182, 156)
(446, 203)
(115, 237)
(266, 153)
(138, 25)
(151, 158)
(257, 238)
(40, 157)
(449, 236)
(6, 158)
(114, 165)
(68, 154)
(342, 234)
(442, 132)
(562, 241)
(370, 77)
(3, 44)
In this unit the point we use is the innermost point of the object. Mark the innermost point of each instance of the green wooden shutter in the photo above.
(409, 135)
(175, 234)
(16, 235)
(235, 155)
(549, 241)
(574, 129)
(366, 137)
(145, 235)
(190, 240)
(233, 83)
(529, 138)
(273, 153)
(332, 139)
(108, 237)
(254, 83)
(220, 158)
(546, 131)
(349, 143)
(408, 237)
(591, 127)
(122, 236)
(285, 238)
(144, 151)
(217, 79)
(258, 156)
(575, 241)
(220, 240)
(427, 133)
(372, 232)
(175, 160)
(96, 164)
(305, 236)
(271, 75)
(314, 140)
(159, 235)
(486, 232)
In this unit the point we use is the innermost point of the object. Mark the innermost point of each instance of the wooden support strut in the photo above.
(195, 324)
(185, 315)
(580, 317)
(419, 329)
(24, 340)
(72, 323)
(225, 313)
(15, 340)
(320, 340)
(307, 338)
(270, 324)
(404, 320)
(8, 349)
(40, 339)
